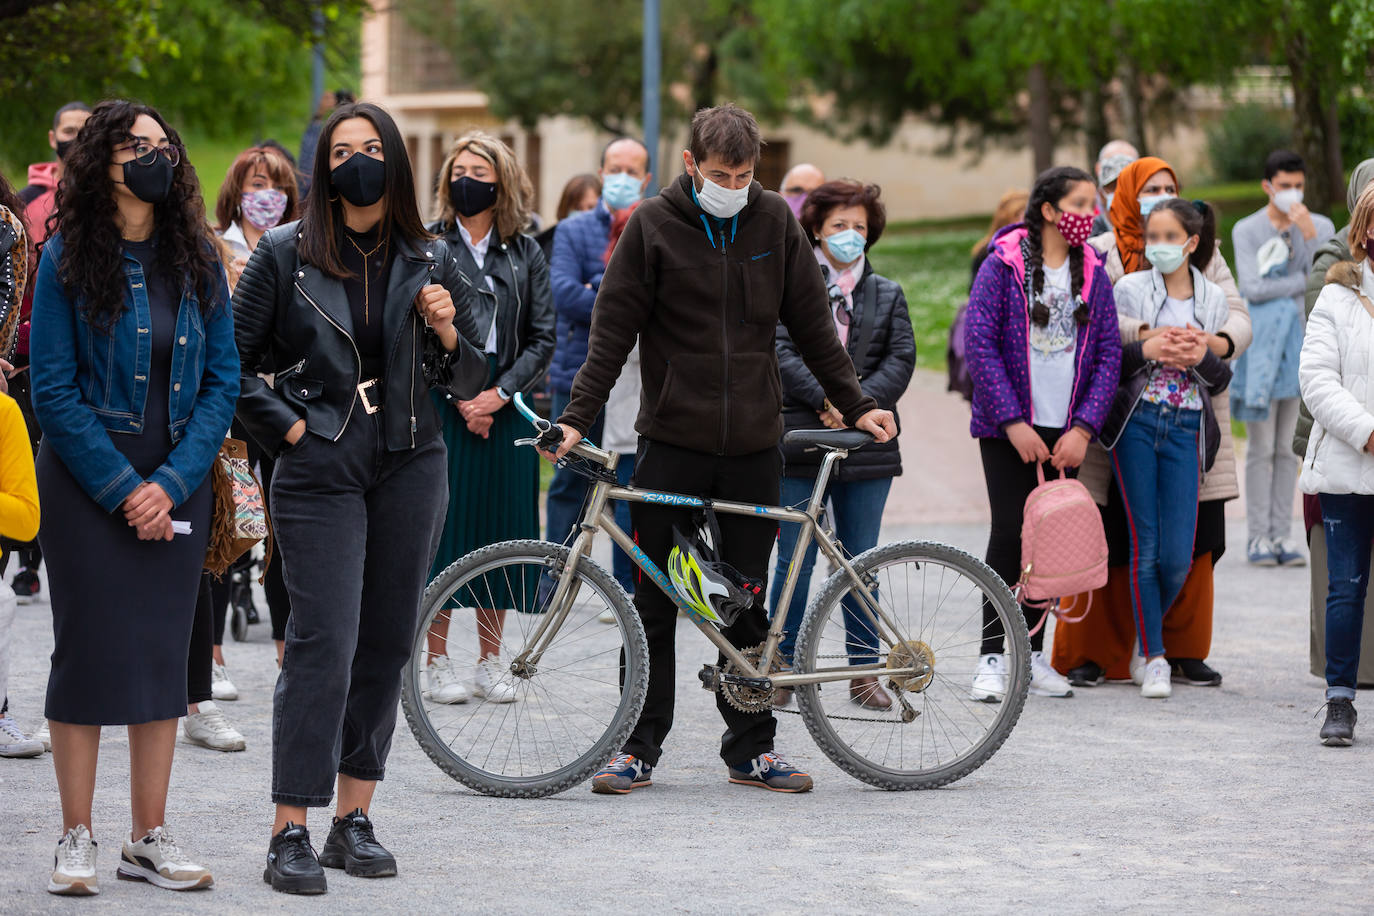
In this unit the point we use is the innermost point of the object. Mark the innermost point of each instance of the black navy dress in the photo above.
(123, 608)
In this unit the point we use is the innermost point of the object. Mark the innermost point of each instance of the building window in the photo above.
(774, 163)
(416, 63)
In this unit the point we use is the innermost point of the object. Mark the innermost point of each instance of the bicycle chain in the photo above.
(797, 712)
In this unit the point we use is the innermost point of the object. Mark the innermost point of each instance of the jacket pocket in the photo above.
(303, 389)
(688, 405)
(762, 281)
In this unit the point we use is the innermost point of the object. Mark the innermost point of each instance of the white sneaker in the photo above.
(606, 616)
(1157, 681)
(990, 679)
(1045, 681)
(221, 688)
(444, 685)
(209, 728)
(1137, 665)
(158, 860)
(493, 681)
(14, 743)
(73, 865)
(44, 735)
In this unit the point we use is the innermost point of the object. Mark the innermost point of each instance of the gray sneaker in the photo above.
(1339, 728)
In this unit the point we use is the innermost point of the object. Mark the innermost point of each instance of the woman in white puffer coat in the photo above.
(1337, 379)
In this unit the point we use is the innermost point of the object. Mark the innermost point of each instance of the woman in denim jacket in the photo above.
(135, 377)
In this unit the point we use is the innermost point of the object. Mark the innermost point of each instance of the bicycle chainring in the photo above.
(912, 654)
(748, 699)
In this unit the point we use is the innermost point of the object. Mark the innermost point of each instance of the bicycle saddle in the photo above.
(848, 439)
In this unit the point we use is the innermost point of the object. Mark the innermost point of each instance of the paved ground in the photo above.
(1214, 800)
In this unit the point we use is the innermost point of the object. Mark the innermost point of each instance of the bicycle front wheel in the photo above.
(937, 599)
(506, 727)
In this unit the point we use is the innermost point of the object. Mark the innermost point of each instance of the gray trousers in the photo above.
(1271, 472)
(357, 527)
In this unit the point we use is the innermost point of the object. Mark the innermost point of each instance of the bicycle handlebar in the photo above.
(551, 434)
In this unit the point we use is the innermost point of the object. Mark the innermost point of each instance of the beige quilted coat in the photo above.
(1221, 481)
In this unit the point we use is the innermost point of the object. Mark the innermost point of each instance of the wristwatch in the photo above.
(502, 393)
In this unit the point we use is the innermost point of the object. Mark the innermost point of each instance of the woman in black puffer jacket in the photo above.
(845, 219)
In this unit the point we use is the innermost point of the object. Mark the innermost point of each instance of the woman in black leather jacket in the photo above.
(844, 219)
(484, 202)
(361, 311)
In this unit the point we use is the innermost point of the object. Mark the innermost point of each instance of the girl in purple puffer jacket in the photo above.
(1043, 347)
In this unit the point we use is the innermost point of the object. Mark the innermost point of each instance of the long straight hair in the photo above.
(322, 218)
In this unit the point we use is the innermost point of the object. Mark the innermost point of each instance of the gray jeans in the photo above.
(357, 527)
(1271, 472)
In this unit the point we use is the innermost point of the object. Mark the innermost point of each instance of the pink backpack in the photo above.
(1063, 546)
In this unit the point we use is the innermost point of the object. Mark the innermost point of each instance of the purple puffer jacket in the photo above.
(997, 342)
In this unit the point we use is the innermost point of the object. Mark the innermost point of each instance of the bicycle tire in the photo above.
(631, 695)
(1004, 715)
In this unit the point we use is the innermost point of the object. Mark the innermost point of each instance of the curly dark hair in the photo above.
(85, 212)
(10, 199)
(1051, 187)
(835, 195)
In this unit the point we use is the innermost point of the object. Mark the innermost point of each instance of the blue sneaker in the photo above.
(623, 773)
(769, 771)
(1260, 552)
(1289, 553)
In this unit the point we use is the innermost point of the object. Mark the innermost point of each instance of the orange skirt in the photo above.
(1107, 636)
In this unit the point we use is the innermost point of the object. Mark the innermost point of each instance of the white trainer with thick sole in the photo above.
(990, 679)
(209, 728)
(492, 681)
(1158, 680)
(1045, 681)
(158, 860)
(443, 685)
(73, 866)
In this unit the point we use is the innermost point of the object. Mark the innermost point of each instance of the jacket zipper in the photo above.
(357, 357)
(724, 345)
(414, 355)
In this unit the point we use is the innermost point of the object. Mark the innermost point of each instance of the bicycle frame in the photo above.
(599, 517)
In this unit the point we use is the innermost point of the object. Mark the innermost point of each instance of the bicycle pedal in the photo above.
(709, 675)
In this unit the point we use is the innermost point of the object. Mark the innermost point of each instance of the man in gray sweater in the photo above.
(1273, 256)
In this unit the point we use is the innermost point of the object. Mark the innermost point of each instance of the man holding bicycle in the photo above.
(701, 277)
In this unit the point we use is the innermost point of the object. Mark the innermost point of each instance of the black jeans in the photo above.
(748, 543)
(1009, 481)
(357, 526)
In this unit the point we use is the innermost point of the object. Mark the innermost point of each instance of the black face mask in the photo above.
(149, 183)
(63, 146)
(470, 196)
(361, 180)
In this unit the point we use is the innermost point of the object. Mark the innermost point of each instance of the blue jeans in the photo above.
(1156, 467)
(568, 491)
(1348, 519)
(857, 513)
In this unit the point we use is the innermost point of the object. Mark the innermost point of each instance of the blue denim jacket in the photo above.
(89, 386)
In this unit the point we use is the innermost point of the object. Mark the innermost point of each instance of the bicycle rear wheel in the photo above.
(934, 594)
(524, 731)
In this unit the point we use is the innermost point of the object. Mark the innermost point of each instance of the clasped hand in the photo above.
(1177, 348)
(149, 511)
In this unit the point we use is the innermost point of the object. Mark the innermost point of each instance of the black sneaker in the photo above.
(1339, 728)
(1088, 674)
(353, 847)
(26, 586)
(291, 864)
(1193, 671)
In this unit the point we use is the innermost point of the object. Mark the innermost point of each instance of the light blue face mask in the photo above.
(846, 245)
(1149, 203)
(620, 189)
(1168, 258)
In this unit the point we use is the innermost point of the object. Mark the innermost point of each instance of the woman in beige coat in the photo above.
(1101, 646)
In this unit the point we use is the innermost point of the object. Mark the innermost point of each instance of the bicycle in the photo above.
(580, 684)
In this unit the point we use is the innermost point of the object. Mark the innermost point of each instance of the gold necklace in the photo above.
(367, 320)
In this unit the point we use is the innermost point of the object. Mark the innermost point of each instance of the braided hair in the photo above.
(1051, 188)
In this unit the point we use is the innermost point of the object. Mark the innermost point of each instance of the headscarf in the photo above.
(1125, 212)
(1363, 175)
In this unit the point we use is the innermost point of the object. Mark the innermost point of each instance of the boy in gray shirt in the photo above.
(1273, 255)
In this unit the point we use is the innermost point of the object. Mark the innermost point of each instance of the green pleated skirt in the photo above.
(493, 488)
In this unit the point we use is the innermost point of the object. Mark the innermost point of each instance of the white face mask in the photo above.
(720, 202)
(1286, 198)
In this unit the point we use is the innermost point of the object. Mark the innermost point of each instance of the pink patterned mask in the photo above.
(1075, 227)
(264, 207)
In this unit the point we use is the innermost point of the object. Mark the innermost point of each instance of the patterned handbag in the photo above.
(239, 519)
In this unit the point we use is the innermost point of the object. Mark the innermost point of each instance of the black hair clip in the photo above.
(1200, 206)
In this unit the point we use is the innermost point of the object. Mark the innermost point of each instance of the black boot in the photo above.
(353, 847)
(291, 864)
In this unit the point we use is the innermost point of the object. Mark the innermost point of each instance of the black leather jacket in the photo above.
(294, 318)
(522, 302)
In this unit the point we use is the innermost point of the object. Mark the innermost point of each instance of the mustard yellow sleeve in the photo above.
(18, 486)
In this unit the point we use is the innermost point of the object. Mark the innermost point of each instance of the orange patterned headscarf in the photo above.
(1125, 210)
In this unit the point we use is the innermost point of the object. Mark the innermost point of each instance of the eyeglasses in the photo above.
(146, 154)
(839, 304)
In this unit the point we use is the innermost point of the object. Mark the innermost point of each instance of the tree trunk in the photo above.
(1095, 135)
(1133, 106)
(1041, 133)
(1316, 130)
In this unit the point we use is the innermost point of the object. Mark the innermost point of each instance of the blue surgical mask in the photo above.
(1149, 203)
(1168, 258)
(846, 245)
(621, 189)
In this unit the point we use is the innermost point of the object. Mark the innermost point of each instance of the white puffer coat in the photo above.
(1337, 379)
